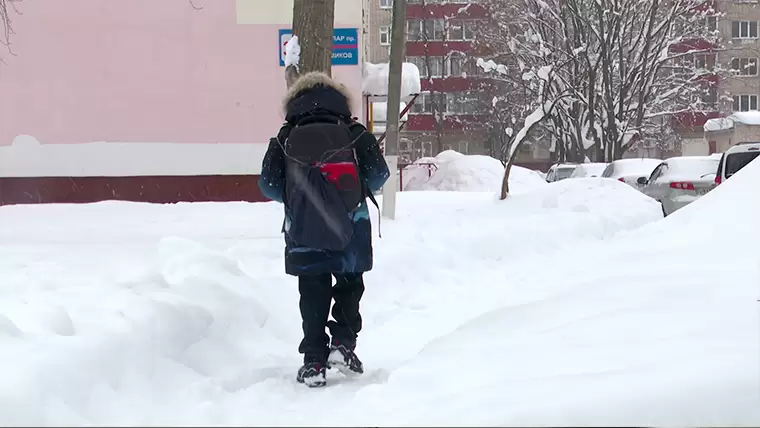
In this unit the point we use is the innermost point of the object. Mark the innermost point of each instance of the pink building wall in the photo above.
(143, 71)
(160, 72)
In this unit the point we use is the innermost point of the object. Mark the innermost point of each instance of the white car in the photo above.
(593, 169)
(679, 181)
(560, 171)
(736, 158)
(630, 170)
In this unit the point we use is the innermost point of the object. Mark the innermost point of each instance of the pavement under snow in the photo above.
(568, 304)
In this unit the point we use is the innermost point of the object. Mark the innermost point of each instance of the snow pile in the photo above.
(375, 79)
(292, 52)
(470, 173)
(718, 124)
(571, 303)
(751, 117)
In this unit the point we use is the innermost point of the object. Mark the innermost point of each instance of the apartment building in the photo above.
(735, 91)
(451, 113)
(378, 15)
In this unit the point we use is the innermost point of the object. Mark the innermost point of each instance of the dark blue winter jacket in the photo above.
(316, 94)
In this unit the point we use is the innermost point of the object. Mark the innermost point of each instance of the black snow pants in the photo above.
(317, 293)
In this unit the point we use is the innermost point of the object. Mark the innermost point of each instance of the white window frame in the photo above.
(748, 34)
(386, 4)
(738, 101)
(707, 22)
(411, 23)
(385, 31)
(743, 71)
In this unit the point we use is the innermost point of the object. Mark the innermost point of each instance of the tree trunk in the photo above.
(313, 24)
(505, 181)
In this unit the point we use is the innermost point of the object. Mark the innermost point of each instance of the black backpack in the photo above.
(322, 186)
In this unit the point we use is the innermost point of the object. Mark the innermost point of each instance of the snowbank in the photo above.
(470, 173)
(718, 124)
(571, 303)
(725, 123)
(375, 79)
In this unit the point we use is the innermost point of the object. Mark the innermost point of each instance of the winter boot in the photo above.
(344, 359)
(312, 374)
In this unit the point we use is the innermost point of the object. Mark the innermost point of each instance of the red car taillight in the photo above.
(682, 185)
(717, 180)
(621, 179)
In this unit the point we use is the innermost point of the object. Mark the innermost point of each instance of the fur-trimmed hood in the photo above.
(315, 93)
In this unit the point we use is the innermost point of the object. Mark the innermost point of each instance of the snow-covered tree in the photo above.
(629, 64)
(547, 95)
(7, 7)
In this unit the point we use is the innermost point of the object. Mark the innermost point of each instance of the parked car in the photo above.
(736, 158)
(681, 180)
(593, 169)
(560, 171)
(629, 170)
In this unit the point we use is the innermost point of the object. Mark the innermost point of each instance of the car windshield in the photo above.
(737, 161)
(564, 172)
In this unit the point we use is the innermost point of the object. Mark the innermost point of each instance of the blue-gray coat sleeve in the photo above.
(272, 179)
(372, 166)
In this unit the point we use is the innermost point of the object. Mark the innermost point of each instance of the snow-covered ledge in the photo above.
(375, 80)
(27, 157)
(738, 127)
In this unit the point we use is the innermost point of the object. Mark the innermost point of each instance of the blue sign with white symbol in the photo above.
(345, 46)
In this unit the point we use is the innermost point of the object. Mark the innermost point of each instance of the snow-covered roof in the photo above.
(380, 112)
(718, 124)
(375, 79)
(751, 117)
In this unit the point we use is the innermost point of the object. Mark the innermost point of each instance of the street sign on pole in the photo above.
(345, 46)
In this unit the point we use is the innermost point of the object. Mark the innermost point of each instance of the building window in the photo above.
(469, 29)
(744, 29)
(745, 102)
(744, 66)
(431, 66)
(386, 4)
(462, 102)
(419, 61)
(456, 65)
(426, 103)
(711, 22)
(385, 36)
(436, 66)
(456, 30)
(462, 30)
(435, 29)
(414, 30)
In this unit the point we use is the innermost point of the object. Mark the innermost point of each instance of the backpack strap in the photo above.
(379, 214)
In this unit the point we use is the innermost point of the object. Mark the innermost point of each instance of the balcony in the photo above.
(447, 10)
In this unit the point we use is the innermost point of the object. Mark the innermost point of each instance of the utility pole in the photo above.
(398, 42)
